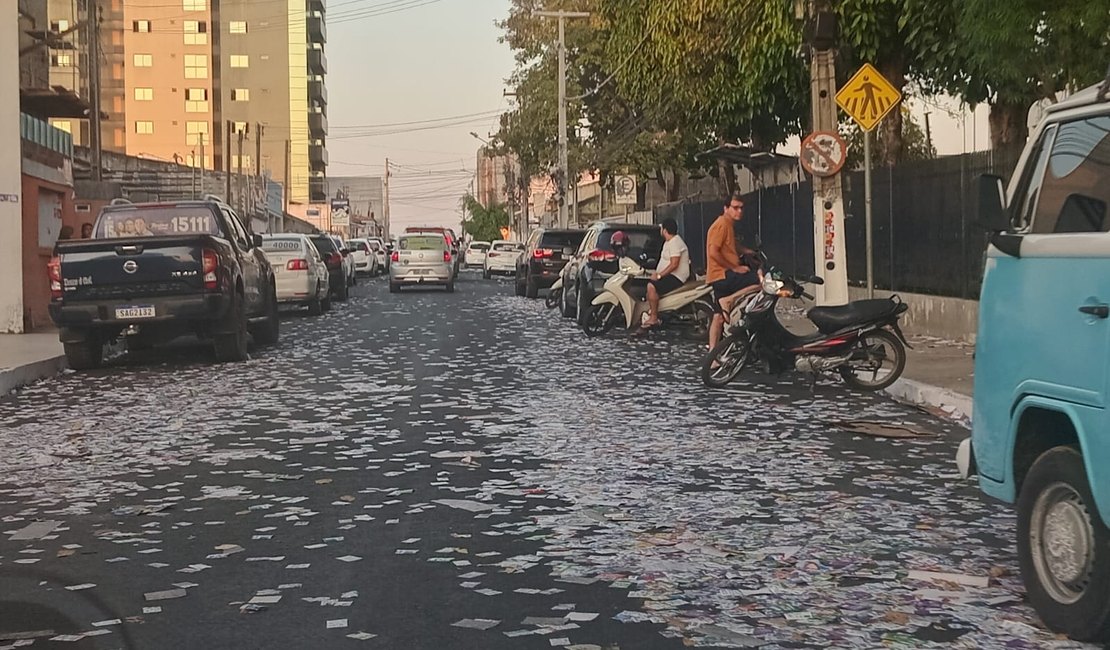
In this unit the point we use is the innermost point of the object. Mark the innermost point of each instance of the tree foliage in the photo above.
(914, 142)
(483, 224)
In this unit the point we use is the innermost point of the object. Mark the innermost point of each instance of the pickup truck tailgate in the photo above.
(118, 268)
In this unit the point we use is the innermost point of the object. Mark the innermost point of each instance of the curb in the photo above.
(945, 402)
(19, 376)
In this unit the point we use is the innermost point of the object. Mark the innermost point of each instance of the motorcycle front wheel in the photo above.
(600, 319)
(724, 362)
(877, 361)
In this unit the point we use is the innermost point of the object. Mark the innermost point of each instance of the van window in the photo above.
(1074, 193)
(1025, 201)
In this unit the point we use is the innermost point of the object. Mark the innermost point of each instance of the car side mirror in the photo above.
(992, 204)
(257, 241)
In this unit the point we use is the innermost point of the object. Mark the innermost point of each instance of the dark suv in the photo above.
(594, 262)
(545, 253)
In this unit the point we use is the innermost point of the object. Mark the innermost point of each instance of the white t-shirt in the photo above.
(675, 247)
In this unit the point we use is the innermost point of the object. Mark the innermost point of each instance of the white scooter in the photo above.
(690, 305)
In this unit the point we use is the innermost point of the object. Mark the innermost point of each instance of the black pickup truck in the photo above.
(155, 271)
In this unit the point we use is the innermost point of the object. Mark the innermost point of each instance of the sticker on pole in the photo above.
(868, 97)
(824, 153)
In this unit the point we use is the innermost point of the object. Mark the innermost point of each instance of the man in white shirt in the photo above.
(673, 270)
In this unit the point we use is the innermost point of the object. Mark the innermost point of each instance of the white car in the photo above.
(365, 259)
(501, 257)
(378, 246)
(348, 261)
(300, 273)
(476, 254)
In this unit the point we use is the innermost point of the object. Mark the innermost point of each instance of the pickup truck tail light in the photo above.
(210, 263)
(54, 270)
(599, 255)
(296, 265)
(446, 256)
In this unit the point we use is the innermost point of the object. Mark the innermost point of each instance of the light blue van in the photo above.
(1041, 421)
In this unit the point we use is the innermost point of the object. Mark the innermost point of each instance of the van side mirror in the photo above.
(257, 240)
(992, 204)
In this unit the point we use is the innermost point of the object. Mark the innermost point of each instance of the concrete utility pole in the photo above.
(229, 127)
(92, 51)
(239, 203)
(385, 200)
(564, 174)
(828, 192)
(11, 220)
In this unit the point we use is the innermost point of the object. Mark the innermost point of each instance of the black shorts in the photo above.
(666, 284)
(732, 283)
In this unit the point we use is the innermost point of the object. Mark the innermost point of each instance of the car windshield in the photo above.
(639, 241)
(507, 246)
(559, 240)
(281, 245)
(429, 243)
(154, 221)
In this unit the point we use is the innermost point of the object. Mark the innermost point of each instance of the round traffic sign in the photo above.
(823, 153)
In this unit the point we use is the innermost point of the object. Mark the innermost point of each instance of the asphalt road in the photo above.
(409, 469)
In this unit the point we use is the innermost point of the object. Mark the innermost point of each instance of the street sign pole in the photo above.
(867, 213)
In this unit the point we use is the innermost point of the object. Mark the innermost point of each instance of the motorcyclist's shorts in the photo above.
(732, 283)
(666, 284)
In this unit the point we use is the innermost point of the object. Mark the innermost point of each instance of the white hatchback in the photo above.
(501, 257)
(299, 272)
(476, 254)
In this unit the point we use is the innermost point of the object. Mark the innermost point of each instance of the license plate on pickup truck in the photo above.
(135, 311)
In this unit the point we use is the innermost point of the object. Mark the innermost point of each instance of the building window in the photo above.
(63, 125)
(195, 132)
(141, 26)
(144, 128)
(196, 66)
(59, 25)
(196, 100)
(240, 61)
(194, 5)
(237, 27)
(193, 160)
(239, 127)
(240, 94)
(196, 32)
(61, 60)
(144, 94)
(144, 60)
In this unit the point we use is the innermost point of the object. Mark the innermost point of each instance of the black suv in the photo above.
(594, 262)
(545, 253)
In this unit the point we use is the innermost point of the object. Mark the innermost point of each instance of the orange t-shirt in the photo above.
(723, 235)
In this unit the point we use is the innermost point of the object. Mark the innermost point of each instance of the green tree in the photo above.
(1022, 51)
(483, 224)
(914, 142)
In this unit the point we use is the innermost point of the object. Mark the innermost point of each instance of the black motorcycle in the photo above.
(861, 340)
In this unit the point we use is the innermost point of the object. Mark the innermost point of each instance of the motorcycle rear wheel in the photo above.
(732, 355)
(885, 360)
(599, 319)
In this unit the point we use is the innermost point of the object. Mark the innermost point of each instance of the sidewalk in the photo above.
(938, 375)
(26, 358)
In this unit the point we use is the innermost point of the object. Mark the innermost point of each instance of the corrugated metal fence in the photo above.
(924, 238)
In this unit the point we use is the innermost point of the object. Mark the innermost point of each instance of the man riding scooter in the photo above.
(727, 272)
(673, 271)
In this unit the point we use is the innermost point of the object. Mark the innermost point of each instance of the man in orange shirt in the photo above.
(725, 270)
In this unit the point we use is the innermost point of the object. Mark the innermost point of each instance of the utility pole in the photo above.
(385, 208)
(288, 173)
(201, 136)
(259, 130)
(230, 126)
(92, 51)
(239, 173)
(828, 192)
(564, 175)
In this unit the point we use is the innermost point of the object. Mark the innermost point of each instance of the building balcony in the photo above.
(318, 157)
(318, 92)
(317, 30)
(317, 62)
(317, 125)
(317, 189)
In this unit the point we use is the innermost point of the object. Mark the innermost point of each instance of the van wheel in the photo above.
(231, 344)
(1064, 547)
(86, 355)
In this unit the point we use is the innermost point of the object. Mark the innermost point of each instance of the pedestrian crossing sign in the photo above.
(868, 97)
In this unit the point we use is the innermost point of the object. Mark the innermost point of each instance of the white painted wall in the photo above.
(11, 218)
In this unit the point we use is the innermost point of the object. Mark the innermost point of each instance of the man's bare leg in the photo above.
(653, 306)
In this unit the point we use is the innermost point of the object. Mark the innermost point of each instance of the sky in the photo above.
(424, 60)
(398, 67)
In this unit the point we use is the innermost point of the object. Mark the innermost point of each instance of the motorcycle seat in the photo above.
(833, 319)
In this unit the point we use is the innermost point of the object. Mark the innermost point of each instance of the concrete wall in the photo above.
(11, 249)
(953, 319)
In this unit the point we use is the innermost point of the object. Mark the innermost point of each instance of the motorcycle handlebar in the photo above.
(815, 279)
(807, 296)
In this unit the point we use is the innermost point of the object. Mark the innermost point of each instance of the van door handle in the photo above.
(1100, 311)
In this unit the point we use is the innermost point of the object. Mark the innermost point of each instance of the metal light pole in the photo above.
(563, 164)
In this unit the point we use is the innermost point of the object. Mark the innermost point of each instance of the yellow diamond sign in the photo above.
(868, 97)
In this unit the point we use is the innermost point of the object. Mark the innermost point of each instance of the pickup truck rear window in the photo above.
(152, 222)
